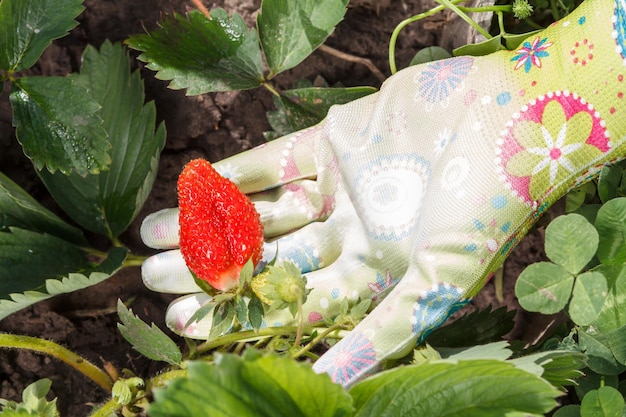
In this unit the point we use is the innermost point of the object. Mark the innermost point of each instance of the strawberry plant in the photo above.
(95, 144)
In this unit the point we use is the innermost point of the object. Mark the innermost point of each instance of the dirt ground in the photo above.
(213, 126)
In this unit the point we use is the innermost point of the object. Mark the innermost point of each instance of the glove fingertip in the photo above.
(160, 230)
(181, 310)
(167, 272)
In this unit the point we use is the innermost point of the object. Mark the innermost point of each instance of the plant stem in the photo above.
(55, 350)
(501, 22)
(134, 260)
(555, 11)
(162, 379)
(296, 342)
(356, 59)
(108, 409)
(402, 25)
(202, 8)
(465, 17)
(111, 407)
(95, 252)
(444, 4)
(533, 24)
(271, 89)
(317, 339)
(247, 334)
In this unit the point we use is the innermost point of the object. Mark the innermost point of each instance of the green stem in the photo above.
(161, 379)
(317, 339)
(533, 24)
(501, 23)
(555, 11)
(247, 334)
(402, 25)
(108, 409)
(445, 4)
(111, 407)
(300, 323)
(134, 260)
(271, 89)
(487, 9)
(96, 252)
(465, 17)
(55, 350)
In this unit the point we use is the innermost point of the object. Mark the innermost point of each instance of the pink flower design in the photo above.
(530, 54)
(349, 360)
(548, 143)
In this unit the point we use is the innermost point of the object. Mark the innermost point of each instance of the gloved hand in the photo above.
(422, 189)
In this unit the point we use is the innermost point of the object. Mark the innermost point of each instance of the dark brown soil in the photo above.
(212, 126)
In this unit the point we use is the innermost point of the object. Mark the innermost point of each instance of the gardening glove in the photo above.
(417, 193)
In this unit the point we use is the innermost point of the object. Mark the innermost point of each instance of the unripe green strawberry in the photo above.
(219, 226)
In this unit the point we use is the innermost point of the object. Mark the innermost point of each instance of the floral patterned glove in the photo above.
(420, 191)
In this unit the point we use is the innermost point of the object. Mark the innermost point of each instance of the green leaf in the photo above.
(577, 197)
(29, 258)
(613, 313)
(495, 350)
(589, 212)
(223, 317)
(260, 386)
(255, 312)
(305, 107)
(241, 311)
(616, 341)
(19, 209)
(46, 286)
(203, 55)
(559, 367)
(592, 381)
(467, 388)
(58, 126)
(28, 27)
(571, 241)
(290, 30)
(590, 291)
(604, 402)
(611, 225)
(571, 410)
(107, 203)
(425, 353)
(487, 326)
(608, 182)
(15, 413)
(600, 357)
(201, 313)
(513, 41)
(479, 49)
(544, 287)
(34, 402)
(150, 341)
(430, 54)
(245, 276)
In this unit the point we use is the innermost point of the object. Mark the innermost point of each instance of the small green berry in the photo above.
(522, 9)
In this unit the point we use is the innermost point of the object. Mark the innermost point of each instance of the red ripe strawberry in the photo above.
(219, 226)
